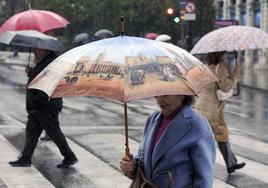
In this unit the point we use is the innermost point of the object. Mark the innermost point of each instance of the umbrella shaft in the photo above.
(126, 130)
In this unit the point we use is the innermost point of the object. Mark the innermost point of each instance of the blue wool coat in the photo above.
(187, 149)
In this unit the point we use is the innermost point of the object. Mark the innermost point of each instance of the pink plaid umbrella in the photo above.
(230, 39)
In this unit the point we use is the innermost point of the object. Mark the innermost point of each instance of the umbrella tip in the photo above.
(122, 26)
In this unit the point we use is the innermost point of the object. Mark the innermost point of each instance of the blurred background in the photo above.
(141, 16)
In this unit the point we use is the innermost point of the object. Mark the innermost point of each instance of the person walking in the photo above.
(43, 114)
(28, 69)
(177, 140)
(211, 107)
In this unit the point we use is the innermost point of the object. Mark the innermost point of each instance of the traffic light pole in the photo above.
(182, 35)
(189, 41)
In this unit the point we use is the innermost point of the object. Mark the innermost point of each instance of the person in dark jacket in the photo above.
(28, 69)
(43, 114)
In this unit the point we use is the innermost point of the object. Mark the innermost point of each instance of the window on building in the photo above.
(256, 13)
(243, 15)
(232, 10)
(220, 10)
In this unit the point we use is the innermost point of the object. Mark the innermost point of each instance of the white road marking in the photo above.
(100, 173)
(18, 177)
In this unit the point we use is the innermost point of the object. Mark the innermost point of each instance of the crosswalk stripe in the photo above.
(21, 176)
(100, 173)
(117, 141)
(252, 168)
(251, 144)
(9, 120)
(220, 184)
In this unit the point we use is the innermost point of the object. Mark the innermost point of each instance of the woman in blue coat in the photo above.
(177, 140)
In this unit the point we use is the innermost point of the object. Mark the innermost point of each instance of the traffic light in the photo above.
(176, 19)
(170, 11)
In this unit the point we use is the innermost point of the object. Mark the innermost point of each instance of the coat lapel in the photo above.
(177, 128)
(148, 144)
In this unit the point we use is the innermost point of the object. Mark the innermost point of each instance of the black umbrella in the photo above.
(80, 39)
(103, 33)
(31, 39)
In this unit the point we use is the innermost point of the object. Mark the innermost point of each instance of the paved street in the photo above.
(95, 132)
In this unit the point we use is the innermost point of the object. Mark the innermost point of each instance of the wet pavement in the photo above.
(94, 128)
(254, 78)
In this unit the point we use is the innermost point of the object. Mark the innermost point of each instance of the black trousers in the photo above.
(228, 155)
(49, 121)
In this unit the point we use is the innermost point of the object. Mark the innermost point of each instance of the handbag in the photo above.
(140, 180)
(221, 95)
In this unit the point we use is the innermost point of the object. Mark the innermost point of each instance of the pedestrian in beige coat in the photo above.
(211, 107)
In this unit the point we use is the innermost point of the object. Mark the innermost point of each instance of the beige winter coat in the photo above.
(209, 106)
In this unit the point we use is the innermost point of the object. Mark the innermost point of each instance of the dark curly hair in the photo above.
(189, 99)
(214, 57)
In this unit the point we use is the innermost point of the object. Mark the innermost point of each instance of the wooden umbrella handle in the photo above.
(126, 131)
(122, 26)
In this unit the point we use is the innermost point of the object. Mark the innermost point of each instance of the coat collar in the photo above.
(148, 144)
(177, 128)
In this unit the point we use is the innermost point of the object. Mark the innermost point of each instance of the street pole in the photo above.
(189, 41)
(182, 34)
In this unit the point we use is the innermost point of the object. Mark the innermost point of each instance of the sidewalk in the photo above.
(250, 78)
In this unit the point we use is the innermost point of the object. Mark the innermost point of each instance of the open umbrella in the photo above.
(163, 38)
(80, 39)
(40, 20)
(103, 33)
(151, 36)
(124, 68)
(232, 39)
(31, 39)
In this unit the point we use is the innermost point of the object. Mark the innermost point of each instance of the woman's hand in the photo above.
(236, 72)
(126, 165)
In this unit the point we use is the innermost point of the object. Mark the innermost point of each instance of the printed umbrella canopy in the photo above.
(124, 68)
(230, 39)
(39, 20)
(30, 39)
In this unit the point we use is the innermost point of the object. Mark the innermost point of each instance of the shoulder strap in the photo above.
(170, 178)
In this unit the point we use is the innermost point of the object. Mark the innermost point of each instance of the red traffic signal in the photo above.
(170, 11)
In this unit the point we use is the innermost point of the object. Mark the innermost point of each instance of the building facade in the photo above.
(250, 13)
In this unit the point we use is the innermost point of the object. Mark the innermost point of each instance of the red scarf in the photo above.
(164, 125)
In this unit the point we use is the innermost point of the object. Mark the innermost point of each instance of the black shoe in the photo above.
(235, 167)
(21, 162)
(45, 138)
(68, 161)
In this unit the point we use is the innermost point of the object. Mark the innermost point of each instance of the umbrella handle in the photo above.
(237, 93)
(238, 84)
(29, 57)
(122, 26)
(127, 152)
